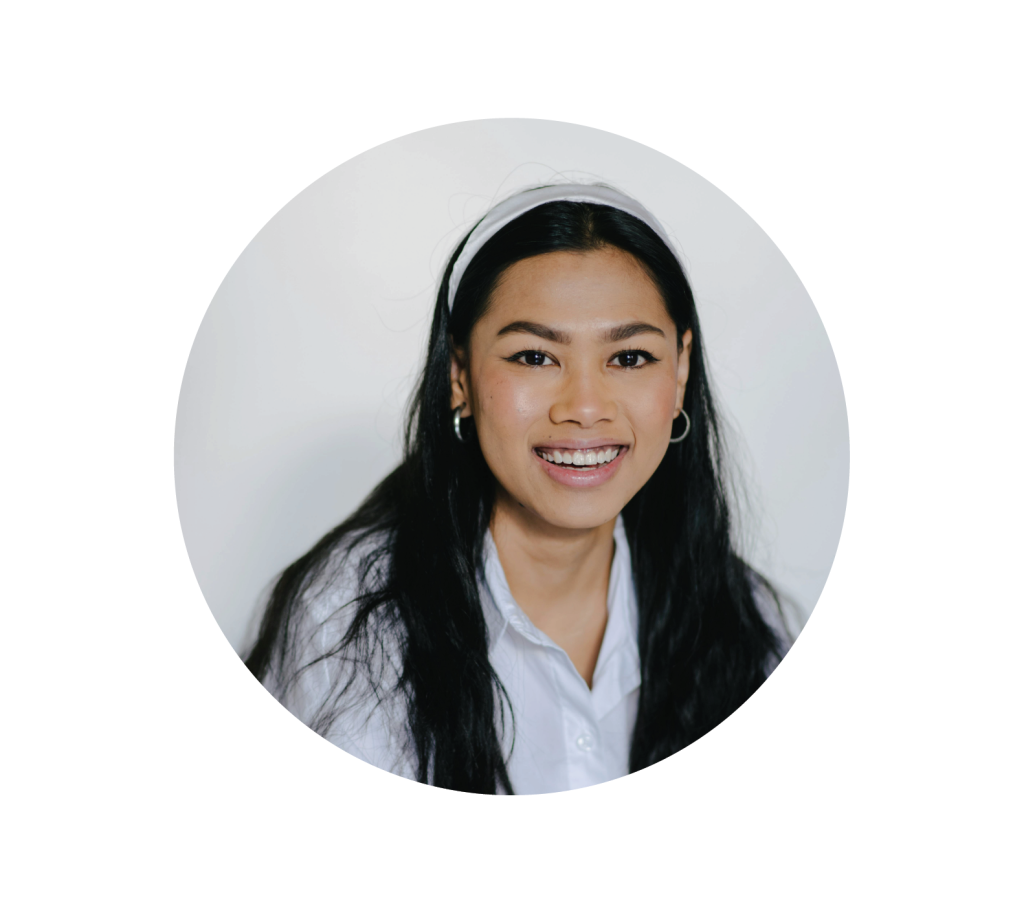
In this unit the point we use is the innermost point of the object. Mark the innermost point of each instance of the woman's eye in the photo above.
(636, 359)
(534, 359)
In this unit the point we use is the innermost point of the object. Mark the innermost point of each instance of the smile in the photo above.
(582, 460)
(583, 467)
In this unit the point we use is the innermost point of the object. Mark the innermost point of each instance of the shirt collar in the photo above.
(618, 663)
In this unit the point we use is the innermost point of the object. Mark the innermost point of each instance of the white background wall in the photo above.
(295, 389)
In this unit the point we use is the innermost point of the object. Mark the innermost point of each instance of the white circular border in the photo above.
(486, 104)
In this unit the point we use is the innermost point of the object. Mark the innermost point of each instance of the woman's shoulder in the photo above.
(342, 667)
(770, 606)
(353, 563)
(339, 602)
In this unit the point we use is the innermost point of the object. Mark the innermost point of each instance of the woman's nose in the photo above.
(583, 399)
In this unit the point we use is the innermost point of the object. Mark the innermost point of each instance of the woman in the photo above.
(544, 594)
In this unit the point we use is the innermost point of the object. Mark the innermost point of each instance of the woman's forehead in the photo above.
(566, 288)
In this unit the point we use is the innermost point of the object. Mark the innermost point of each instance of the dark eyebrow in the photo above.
(615, 334)
(627, 330)
(536, 329)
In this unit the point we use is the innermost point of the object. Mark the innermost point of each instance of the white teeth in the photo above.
(580, 457)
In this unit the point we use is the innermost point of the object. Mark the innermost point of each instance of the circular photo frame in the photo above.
(254, 216)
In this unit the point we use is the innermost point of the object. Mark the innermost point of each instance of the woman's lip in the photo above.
(581, 445)
(576, 478)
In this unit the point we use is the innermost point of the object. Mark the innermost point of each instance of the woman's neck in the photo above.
(559, 577)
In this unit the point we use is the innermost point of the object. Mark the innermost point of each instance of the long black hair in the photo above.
(416, 543)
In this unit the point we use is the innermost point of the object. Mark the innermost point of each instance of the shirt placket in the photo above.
(581, 734)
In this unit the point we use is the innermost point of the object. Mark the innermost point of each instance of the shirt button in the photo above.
(585, 742)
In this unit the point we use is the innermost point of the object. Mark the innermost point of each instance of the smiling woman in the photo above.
(544, 594)
(573, 427)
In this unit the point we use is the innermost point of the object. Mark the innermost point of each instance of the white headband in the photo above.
(516, 205)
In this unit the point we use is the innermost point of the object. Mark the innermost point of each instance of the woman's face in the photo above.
(573, 377)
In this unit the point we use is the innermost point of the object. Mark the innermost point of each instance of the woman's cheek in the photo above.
(653, 410)
(509, 402)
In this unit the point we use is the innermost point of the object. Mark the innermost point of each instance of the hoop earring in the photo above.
(457, 421)
(676, 440)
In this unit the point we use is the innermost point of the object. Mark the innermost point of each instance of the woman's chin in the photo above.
(571, 514)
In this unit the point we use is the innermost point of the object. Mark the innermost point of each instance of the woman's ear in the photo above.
(460, 382)
(683, 372)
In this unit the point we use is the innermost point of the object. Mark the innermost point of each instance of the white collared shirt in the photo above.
(566, 734)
